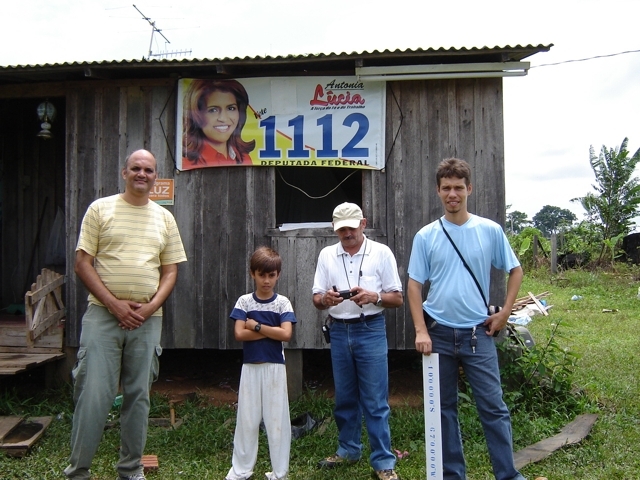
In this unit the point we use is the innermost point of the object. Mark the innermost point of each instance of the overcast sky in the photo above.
(552, 116)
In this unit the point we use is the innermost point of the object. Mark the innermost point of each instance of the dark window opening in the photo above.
(293, 206)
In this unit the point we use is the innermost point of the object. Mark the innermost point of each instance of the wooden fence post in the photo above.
(554, 254)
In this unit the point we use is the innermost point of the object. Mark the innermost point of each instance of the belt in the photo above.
(361, 318)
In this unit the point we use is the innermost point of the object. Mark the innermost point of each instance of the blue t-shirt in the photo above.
(272, 312)
(454, 299)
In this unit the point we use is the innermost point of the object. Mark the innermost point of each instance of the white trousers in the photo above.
(262, 396)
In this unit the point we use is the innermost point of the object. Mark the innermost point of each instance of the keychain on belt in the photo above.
(474, 340)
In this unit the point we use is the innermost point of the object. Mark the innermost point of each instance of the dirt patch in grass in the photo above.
(215, 375)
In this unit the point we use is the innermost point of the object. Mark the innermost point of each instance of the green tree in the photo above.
(523, 245)
(583, 238)
(517, 221)
(617, 192)
(553, 219)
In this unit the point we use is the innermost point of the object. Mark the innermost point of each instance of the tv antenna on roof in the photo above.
(155, 29)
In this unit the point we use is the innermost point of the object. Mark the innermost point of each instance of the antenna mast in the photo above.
(155, 29)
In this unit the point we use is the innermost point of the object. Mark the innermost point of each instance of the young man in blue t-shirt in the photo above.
(263, 320)
(454, 320)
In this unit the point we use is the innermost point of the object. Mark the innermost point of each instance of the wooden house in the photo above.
(439, 103)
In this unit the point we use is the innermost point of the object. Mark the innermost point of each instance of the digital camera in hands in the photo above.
(346, 294)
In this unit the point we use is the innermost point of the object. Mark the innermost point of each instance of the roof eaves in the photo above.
(320, 63)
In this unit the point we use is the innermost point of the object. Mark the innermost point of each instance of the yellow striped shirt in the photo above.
(129, 244)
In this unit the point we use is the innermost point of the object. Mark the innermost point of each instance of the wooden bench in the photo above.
(35, 338)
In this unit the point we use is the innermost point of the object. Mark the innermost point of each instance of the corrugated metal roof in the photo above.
(308, 64)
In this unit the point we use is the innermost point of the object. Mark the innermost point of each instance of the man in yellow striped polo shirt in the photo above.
(127, 257)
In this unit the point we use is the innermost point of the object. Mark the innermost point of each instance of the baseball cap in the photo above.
(347, 215)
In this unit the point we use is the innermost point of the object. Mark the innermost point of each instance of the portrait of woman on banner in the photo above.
(214, 114)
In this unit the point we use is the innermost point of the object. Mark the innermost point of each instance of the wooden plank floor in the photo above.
(12, 363)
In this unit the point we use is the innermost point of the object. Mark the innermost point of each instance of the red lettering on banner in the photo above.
(319, 93)
(333, 99)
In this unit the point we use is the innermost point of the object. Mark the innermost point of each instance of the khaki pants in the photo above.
(110, 356)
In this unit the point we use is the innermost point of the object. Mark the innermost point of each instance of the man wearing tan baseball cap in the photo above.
(355, 280)
(347, 215)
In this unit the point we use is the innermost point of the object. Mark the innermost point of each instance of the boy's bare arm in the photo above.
(281, 333)
(245, 331)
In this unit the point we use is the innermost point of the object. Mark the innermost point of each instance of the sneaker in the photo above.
(135, 476)
(272, 476)
(246, 478)
(333, 461)
(389, 474)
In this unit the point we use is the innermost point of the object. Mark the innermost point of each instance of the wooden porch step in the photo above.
(14, 333)
(13, 330)
(7, 424)
(12, 363)
(37, 337)
(20, 439)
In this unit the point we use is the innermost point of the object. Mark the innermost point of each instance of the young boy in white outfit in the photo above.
(263, 320)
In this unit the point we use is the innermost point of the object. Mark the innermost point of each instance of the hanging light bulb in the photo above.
(46, 113)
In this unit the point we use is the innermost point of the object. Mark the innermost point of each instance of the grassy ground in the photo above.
(608, 344)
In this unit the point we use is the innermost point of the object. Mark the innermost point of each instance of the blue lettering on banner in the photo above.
(351, 149)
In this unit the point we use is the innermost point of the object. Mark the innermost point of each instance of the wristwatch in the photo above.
(257, 327)
(379, 302)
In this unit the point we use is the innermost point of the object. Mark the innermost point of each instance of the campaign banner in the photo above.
(333, 121)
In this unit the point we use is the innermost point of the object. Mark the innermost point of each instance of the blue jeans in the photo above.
(361, 379)
(481, 370)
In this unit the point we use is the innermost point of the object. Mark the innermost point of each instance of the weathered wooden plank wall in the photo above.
(441, 119)
(223, 214)
(299, 250)
(32, 190)
(105, 122)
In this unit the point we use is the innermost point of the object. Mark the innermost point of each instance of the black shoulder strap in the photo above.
(484, 299)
